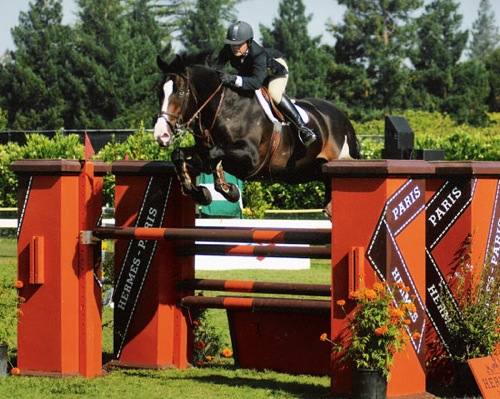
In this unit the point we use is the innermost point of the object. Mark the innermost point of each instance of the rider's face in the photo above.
(239, 49)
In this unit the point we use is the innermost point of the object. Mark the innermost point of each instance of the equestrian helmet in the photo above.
(238, 33)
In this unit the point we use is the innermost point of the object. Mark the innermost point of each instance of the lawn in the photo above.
(216, 380)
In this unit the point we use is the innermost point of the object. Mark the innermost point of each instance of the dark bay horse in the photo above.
(233, 132)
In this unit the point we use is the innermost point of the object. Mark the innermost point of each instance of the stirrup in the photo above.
(310, 136)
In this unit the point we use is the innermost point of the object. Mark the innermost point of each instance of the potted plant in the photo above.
(473, 319)
(8, 319)
(378, 329)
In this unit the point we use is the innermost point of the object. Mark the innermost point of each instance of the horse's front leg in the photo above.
(228, 190)
(188, 165)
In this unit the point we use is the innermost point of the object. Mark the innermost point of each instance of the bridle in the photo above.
(186, 96)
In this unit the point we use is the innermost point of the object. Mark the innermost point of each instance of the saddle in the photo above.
(271, 109)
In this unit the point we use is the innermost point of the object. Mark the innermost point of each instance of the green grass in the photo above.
(219, 380)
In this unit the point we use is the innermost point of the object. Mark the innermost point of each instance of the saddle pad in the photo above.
(267, 109)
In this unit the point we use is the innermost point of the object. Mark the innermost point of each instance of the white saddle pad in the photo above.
(267, 109)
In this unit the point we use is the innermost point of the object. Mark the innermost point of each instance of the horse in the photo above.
(233, 133)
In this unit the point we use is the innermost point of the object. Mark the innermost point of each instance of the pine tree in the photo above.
(141, 75)
(466, 100)
(371, 45)
(203, 26)
(439, 79)
(492, 64)
(438, 48)
(36, 79)
(307, 61)
(485, 36)
(117, 44)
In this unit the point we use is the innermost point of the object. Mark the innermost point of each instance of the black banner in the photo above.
(138, 258)
(442, 211)
(399, 211)
(445, 207)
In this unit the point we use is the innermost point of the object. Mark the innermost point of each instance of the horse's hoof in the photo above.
(202, 196)
(231, 193)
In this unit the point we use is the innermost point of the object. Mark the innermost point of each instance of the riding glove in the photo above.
(227, 79)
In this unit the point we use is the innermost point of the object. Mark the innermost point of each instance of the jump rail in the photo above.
(309, 306)
(255, 286)
(316, 252)
(285, 236)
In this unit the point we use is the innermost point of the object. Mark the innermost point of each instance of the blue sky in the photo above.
(252, 11)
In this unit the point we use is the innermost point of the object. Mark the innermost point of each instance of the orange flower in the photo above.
(396, 313)
(226, 352)
(379, 287)
(354, 294)
(407, 321)
(341, 302)
(370, 294)
(323, 337)
(410, 307)
(415, 335)
(381, 331)
(405, 288)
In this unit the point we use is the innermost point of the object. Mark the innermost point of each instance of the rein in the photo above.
(204, 133)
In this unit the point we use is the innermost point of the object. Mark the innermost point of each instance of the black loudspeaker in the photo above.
(429, 155)
(399, 138)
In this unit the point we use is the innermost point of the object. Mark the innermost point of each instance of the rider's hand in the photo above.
(227, 79)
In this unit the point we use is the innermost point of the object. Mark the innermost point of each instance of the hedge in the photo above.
(432, 131)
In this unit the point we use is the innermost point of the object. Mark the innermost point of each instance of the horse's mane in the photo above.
(183, 60)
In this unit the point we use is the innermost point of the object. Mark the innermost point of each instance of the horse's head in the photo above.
(179, 94)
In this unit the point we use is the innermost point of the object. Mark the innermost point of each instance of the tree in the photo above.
(141, 75)
(438, 47)
(36, 80)
(466, 100)
(371, 45)
(492, 64)
(307, 61)
(117, 45)
(203, 28)
(485, 36)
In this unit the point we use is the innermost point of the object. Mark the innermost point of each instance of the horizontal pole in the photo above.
(285, 235)
(255, 286)
(316, 252)
(309, 306)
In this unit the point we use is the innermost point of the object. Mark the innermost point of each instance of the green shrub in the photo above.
(37, 147)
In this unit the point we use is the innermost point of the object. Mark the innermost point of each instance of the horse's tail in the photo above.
(339, 119)
(353, 141)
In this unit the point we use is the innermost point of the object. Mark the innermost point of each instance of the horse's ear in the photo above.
(161, 64)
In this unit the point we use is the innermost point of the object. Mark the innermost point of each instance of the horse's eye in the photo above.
(181, 93)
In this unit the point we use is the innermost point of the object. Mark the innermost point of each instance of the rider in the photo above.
(257, 67)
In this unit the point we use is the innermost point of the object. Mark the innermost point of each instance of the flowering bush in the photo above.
(379, 327)
(206, 341)
(473, 319)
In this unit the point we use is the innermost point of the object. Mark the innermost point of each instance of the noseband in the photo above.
(186, 95)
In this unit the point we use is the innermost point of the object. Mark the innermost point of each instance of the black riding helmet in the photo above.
(238, 33)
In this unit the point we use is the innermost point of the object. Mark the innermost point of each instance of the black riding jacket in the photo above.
(255, 67)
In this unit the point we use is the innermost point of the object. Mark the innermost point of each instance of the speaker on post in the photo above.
(399, 138)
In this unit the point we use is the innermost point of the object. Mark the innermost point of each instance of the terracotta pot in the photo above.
(368, 384)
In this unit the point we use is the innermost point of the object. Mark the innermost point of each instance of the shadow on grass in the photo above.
(301, 390)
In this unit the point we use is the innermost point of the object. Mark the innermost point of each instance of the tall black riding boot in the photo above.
(306, 135)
